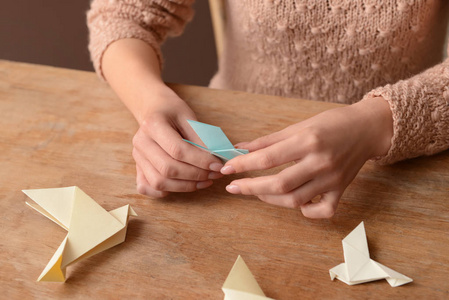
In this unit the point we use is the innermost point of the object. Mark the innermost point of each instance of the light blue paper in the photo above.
(217, 143)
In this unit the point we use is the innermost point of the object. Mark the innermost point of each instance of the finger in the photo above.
(241, 145)
(282, 183)
(264, 141)
(169, 167)
(171, 142)
(160, 183)
(324, 208)
(282, 152)
(297, 197)
(144, 188)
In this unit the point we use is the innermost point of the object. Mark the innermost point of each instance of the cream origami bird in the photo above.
(359, 267)
(91, 229)
(241, 285)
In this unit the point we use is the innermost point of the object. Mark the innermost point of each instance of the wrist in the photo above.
(131, 68)
(378, 121)
(156, 99)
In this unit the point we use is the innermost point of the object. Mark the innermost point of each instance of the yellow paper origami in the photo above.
(359, 267)
(241, 285)
(91, 229)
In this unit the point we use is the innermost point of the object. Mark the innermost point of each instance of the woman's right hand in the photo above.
(164, 162)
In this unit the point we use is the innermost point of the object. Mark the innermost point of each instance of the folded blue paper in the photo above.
(217, 143)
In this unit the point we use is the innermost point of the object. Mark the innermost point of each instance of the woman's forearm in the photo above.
(131, 68)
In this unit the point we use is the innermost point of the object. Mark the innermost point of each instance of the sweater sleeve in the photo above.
(148, 20)
(420, 108)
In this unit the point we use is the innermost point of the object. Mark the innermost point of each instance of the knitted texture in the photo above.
(334, 50)
(150, 21)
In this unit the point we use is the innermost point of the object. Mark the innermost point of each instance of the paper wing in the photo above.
(55, 203)
(217, 143)
(212, 136)
(394, 278)
(241, 284)
(356, 253)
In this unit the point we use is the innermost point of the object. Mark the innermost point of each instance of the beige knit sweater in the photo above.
(329, 50)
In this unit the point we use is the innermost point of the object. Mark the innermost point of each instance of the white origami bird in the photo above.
(91, 229)
(359, 267)
(241, 285)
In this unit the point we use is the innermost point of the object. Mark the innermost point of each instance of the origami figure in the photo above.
(359, 267)
(241, 285)
(91, 229)
(216, 141)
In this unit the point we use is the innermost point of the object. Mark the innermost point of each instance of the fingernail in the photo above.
(204, 184)
(214, 175)
(215, 167)
(233, 189)
(227, 170)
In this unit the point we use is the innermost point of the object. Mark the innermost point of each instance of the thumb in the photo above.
(324, 208)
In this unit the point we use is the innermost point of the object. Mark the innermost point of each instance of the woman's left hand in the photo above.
(328, 150)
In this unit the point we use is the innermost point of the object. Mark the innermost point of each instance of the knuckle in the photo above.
(157, 194)
(262, 197)
(262, 141)
(259, 142)
(175, 151)
(140, 179)
(280, 186)
(161, 194)
(157, 183)
(327, 211)
(266, 161)
(167, 170)
(141, 189)
(326, 163)
(297, 139)
(323, 166)
(314, 140)
(204, 161)
(246, 186)
(136, 156)
(146, 126)
(154, 123)
(200, 175)
(306, 213)
(294, 202)
(135, 140)
(190, 187)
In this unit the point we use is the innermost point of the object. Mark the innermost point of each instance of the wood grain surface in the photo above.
(61, 128)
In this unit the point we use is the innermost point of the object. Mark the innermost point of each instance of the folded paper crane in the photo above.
(91, 229)
(217, 143)
(359, 267)
(241, 285)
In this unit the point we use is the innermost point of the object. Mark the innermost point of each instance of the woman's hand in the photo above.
(164, 162)
(328, 150)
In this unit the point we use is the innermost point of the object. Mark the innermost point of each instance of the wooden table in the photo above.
(61, 128)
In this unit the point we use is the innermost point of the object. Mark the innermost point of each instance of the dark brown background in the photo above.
(54, 32)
